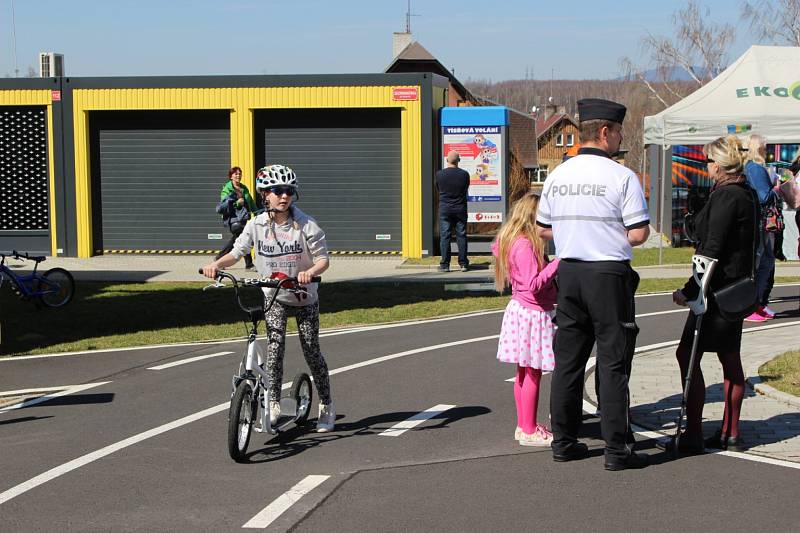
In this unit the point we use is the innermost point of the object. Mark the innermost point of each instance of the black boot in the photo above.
(632, 460)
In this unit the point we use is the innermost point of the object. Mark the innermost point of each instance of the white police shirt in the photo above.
(590, 201)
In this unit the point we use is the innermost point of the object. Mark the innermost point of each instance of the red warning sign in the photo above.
(405, 93)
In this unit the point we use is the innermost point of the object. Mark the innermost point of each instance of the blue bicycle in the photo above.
(54, 288)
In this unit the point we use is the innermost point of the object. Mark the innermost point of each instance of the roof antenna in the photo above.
(408, 17)
(14, 39)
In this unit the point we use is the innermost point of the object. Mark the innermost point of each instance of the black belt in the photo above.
(620, 262)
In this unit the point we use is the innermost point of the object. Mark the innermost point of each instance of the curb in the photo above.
(757, 384)
(770, 392)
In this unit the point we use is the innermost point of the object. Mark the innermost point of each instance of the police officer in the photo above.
(594, 209)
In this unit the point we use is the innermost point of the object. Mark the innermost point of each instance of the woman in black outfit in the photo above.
(725, 231)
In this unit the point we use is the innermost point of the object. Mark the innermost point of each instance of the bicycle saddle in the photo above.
(24, 255)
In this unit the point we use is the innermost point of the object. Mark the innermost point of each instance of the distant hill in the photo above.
(523, 94)
(673, 74)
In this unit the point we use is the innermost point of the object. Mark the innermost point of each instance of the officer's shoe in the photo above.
(444, 268)
(632, 460)
(574, 452)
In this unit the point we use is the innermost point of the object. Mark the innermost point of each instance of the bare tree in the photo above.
(699, 47)
(775, 22)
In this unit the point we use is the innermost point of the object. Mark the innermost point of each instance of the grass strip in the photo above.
(119, 315)
(641, 257)
(783, 373)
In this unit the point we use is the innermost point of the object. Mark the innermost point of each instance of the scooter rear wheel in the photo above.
(303, 394)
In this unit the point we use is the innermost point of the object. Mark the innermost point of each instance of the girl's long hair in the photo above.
(521, 223)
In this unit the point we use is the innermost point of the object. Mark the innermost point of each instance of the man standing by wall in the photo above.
(595, 211)
(452, 183)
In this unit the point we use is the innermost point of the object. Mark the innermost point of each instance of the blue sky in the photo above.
(479, 39)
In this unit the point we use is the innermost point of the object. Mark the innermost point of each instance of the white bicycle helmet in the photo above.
(275, 175)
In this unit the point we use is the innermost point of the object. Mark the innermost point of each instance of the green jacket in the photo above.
(227, 190)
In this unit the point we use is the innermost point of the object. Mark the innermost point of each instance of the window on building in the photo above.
(560, 139)
(539, 175)
(570, 139)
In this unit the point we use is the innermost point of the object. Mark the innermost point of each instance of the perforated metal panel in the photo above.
(23, 169)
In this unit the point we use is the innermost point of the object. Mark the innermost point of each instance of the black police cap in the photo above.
(599, 109)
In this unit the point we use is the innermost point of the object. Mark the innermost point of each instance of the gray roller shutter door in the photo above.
(350, 169)
(159, 182)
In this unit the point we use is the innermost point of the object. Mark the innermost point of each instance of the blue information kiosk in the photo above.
(480, 136)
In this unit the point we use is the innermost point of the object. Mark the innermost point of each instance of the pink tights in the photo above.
(526, 396)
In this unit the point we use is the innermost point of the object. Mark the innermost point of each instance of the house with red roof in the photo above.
(556, 136)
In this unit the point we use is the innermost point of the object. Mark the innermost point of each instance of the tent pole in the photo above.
(661, 193)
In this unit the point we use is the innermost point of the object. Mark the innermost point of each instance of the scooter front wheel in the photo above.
(241, 416)
(302, 394)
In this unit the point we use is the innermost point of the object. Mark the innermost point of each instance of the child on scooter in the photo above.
(526, 336)
(288, 243)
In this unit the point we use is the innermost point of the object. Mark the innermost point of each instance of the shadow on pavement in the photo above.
(102, 309)
(23, 419)
(78, 399)
(662, 414)
(298, 439)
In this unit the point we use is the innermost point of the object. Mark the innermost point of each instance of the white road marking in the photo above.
(189, 360)
(410, 352)
(414, 421)
(63, 391)
(759, 459)
(592, 409)
(671, 311)
(512, 380)
(284, 501)
(135, 439)
(32, 391)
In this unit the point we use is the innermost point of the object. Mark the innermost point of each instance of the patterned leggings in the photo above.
(308, 327)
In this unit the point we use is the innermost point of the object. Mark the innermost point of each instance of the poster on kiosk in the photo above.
(479, 135)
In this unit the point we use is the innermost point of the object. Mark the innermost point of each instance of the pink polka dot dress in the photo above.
(526, 336)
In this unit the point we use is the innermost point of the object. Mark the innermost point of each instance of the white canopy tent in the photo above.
(759, 92)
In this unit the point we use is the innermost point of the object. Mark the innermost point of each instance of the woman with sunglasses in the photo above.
(725, 230)
(287, 243)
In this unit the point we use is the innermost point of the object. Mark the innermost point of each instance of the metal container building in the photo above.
(134, 165)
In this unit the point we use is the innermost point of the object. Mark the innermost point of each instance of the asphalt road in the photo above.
(145, 450)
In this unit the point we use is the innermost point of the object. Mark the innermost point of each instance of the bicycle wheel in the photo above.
(56, 287)
(303, 394)
(241, 416)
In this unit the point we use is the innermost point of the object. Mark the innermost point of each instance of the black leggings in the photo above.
(308, 328)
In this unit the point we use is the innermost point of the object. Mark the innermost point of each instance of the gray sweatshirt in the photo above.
(284, 248)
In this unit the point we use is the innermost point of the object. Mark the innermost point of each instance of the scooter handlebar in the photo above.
(262, 282)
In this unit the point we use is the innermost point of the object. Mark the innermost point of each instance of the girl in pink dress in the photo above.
(526, 337)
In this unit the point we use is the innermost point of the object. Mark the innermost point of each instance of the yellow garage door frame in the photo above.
(40, 97)
(242, 102)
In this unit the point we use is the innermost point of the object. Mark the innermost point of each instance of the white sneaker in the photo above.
(540, 437)
(327, 418)
(518, 433)
(274, 412)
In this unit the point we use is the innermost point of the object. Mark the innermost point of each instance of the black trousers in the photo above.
(248, 260)
(595, 304)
